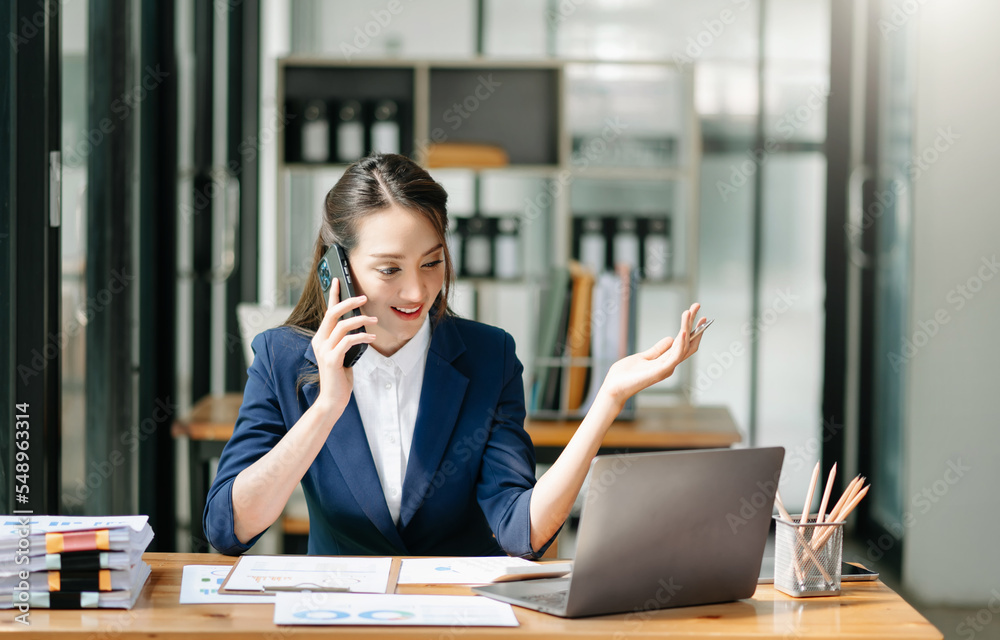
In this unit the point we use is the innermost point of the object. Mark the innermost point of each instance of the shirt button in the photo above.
(395, 493)
(388, 385)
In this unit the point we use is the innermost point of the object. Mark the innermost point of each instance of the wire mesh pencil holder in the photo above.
(807, 557)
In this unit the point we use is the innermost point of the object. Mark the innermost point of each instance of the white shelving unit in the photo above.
(580, 94)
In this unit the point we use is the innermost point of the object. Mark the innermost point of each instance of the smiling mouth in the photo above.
(407, 312)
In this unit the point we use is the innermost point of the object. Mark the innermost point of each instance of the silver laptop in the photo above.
(662, 530)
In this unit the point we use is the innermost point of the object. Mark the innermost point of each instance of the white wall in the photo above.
(953, 396)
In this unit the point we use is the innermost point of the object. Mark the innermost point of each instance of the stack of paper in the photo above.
(296, 586)
(391, 610)
(72, 562)
(477, 570)
(262, 575)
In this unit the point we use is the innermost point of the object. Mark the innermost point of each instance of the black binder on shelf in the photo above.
(553, 318)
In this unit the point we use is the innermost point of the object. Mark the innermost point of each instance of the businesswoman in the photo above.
(419, 449)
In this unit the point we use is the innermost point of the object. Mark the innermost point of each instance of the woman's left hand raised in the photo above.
(634, 373)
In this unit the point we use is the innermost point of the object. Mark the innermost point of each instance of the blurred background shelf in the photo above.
(585, 139)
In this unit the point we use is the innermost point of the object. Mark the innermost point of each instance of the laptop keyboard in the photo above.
(555, 599)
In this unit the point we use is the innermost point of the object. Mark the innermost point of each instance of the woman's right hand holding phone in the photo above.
(261, 490)
(330, 344)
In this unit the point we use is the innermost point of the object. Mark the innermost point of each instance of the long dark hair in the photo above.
(370, 185)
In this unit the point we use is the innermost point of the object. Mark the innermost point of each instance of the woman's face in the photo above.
(399, 264)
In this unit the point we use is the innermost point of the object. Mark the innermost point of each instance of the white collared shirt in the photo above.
(387, 391)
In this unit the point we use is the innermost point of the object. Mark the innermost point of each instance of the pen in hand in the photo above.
(695, 332)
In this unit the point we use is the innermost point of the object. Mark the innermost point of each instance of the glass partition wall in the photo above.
(74, 252)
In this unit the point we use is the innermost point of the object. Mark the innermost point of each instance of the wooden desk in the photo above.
(864, 610)
(211, 421)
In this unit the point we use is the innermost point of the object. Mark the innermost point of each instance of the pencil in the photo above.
(854, 491)
(812, 556)
(804, 518)
(826, 492)
(821, 539)
(853, 503)
(781, 507)
(843, 498)
(784, 516)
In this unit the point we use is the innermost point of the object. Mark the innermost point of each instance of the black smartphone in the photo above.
(334, 265)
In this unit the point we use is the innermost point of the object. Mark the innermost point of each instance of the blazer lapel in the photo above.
(441, 397)
(348, 445)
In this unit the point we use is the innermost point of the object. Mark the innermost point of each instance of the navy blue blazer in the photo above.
(470, 472)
